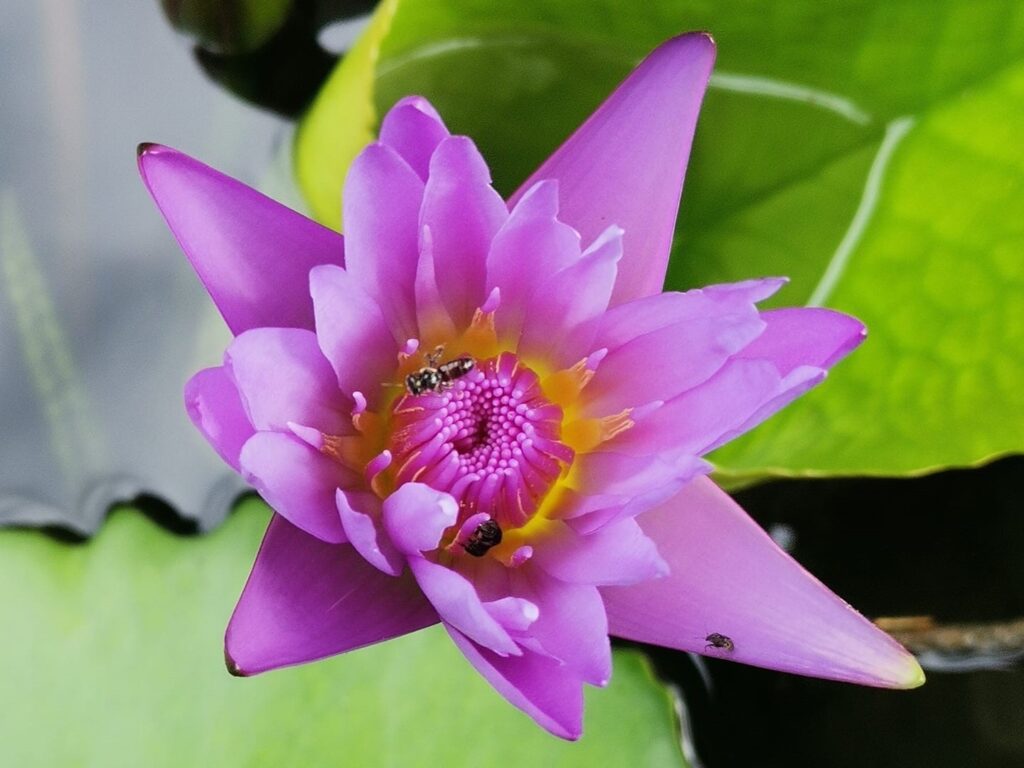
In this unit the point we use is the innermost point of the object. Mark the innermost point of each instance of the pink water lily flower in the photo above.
(485, 413)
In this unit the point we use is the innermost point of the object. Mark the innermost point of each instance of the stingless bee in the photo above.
(722, 642)
(486, 535)
(434, 377)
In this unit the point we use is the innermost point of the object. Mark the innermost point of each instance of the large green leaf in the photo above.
(868, 149)
(112, 657)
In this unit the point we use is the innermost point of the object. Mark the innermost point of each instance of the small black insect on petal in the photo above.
(486, 535)
(722, 642)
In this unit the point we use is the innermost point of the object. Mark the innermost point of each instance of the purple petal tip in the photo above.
(233, 669)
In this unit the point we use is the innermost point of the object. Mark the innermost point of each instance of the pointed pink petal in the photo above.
(717, 410)
(413, 129)
(458, 604)
(416, 515)
(352, 333)
(215, 407)
(529, 249)
(538, 685)
(431, 312)
(464, 213)
(252, 253)
(679, 340)
(607, 487)
(283, 377)
(571, 625)
(559, 325)
(625, 164)
(362, 532)
(729, 577)
(615, 554)
(515, 614)
(805, 336)
(381, 214)
(625, 322)
(305, 600)
(299, 482)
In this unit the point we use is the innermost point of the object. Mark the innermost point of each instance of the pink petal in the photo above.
(352, 333)
(717, 410)
(214, 405)
(538, 685)
(559, 325)
(616, 554)
(805, 336)
(625, 164)
(458, 604)
(360, 513)
(252, 253)
(571, 625)
(464, 213)
(625, 322)
(681, 340)
(283, 377)
(381, 213)
(608, 487)
(431, 313)
(530, 248)
(413, 129)
(299, 482)
(416, 515)
(305, 600)
(729, 577)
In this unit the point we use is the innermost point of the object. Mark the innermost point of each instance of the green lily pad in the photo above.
(113, 658)
(868, 150)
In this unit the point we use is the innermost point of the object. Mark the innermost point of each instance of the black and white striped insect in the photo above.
(435, 376)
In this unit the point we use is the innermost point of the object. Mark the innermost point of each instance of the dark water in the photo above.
(950, 546)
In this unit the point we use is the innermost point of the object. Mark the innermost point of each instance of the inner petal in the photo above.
(490, 438)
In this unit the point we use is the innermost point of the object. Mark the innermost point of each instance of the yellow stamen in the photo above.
(563, 387)
(584, 435)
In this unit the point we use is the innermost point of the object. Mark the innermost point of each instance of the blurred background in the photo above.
(870, 150)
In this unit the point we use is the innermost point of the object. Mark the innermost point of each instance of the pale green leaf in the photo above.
(113, 657)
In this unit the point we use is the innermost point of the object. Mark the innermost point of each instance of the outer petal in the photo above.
(458, 604)
(662, 345)
(305, 600)
(360, 516)
(464, 213)
(559, 325)
(283, 377)
(299, 482)
(615, 554)
(728, 576)
(786, 360)
(571, 626)
(607, 487)
(625, 322)
(540, 686)
(625, 164)
(381, 212)
(413, 129)
(805, 336)
(530, 248)
(215, 407)
(352, 333)
(252, 253)
(416, 515)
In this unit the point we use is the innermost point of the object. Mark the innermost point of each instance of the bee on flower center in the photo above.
(435, 376)
(722, 642)
(486, 535)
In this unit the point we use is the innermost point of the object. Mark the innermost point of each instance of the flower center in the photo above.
(490, 438)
